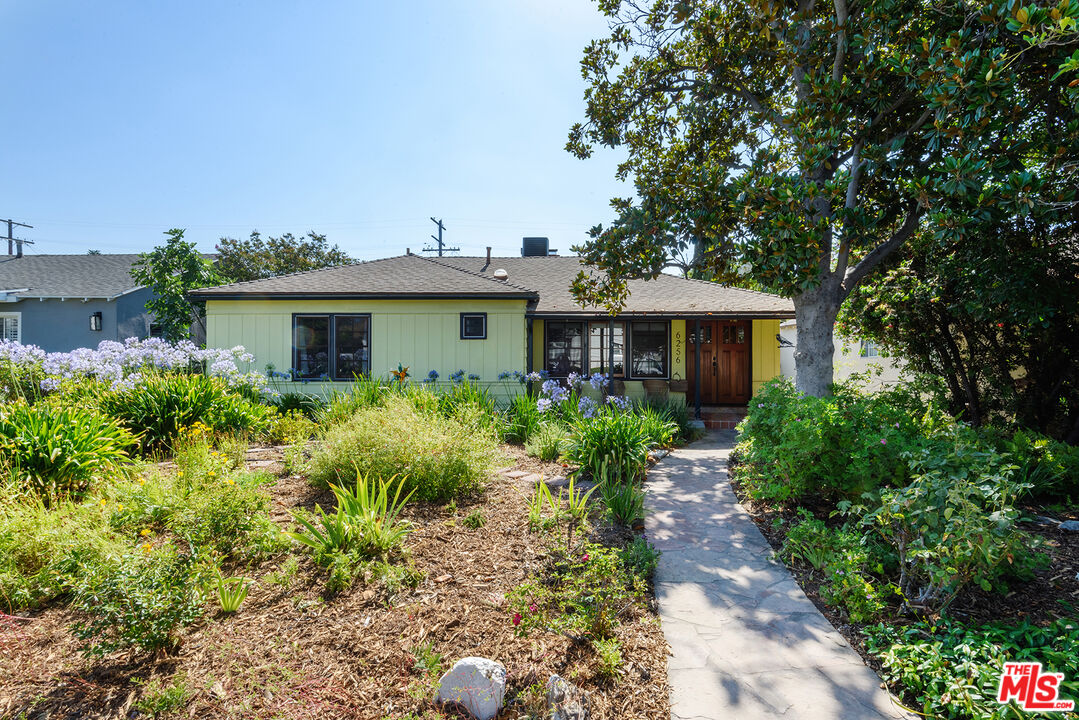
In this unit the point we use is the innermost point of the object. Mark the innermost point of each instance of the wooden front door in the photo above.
(724, 356)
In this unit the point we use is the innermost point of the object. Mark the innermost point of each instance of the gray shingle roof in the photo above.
(75, 276)
(667, 294)
(543, 280)
(401, 276)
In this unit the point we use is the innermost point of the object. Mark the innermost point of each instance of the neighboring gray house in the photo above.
(63, 302)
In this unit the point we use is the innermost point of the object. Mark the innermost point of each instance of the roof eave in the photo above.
(360, 296)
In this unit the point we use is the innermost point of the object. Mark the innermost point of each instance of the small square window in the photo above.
(473, 326)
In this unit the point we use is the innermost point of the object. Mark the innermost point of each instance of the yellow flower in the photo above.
(147, 547)
(119, 507)
(103, 503)
(144, 532)
(211, 473)
(179, 473)
(229, 482)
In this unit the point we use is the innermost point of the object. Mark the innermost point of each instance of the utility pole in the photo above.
(12, 239)
(441, 245)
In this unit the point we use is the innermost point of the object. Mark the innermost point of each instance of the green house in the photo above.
(488, 315)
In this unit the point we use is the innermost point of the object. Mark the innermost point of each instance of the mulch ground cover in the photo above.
(294, 652)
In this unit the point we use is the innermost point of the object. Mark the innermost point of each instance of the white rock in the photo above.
(477, 684)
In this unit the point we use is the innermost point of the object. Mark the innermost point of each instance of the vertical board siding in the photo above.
(420, 334)
(765, 352)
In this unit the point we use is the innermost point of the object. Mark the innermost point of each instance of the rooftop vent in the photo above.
(536, 247)
(501, 274)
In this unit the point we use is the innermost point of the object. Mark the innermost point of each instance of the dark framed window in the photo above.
(600, 344)
(334, 346)
(649, 345)
(564, 347)
(473, 326)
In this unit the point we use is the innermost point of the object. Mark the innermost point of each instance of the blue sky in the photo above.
(356, 119)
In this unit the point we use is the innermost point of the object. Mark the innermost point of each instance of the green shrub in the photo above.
(363, 392)
(522, 419)
(953, 525)
(157, 698)
(609, 655)
(228, 515)
(584, 595)
(611, 445)
(547, 442)
(58, 451)
(436, 457)
(796, 446)
(624, 500)
(468, 402)
(141, 601)
(842, 559)
(156, 406)
(953, 670)
(640, 558)
(44, 551)
(1050, 468)
(656, 423)
(681, 415)
(305, 404)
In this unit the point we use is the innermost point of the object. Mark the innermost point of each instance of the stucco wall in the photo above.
(846, 361)
(423, 335)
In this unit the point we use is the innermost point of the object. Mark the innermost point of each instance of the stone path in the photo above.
(745, 641)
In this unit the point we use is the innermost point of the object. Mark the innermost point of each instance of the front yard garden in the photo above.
(176, 542)
(935, 548)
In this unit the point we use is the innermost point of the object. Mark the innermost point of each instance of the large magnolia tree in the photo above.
(800, 143)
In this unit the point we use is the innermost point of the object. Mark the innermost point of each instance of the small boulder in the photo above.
(565, 700)
(476, 684)
(1069, 526)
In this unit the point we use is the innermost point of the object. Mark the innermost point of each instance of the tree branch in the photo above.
(840, 40)
(851, 202)
(877, 254)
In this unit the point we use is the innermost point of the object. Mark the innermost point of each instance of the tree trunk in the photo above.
(815, 312)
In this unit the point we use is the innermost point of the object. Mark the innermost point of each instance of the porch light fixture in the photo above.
(95, 321)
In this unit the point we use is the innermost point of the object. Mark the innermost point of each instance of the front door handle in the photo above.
(714, 366)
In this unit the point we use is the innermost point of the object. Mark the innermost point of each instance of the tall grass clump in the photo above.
(58, 451)
(156, 406)
(437, 457)
(522, 419)
(547, 441)
(363, 392)
(611, 445)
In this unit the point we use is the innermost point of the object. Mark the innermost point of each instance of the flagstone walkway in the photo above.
(745, 641)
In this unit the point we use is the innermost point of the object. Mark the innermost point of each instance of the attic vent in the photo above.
(536, 247)
(501, 274)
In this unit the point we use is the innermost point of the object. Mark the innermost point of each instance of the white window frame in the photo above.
(869, 349)
(18, 325)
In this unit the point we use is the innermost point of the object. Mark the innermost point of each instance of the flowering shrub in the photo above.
(584, 594)
(116, 363)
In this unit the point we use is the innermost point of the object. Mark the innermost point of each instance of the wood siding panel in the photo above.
(765, 352)
(422, 334)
